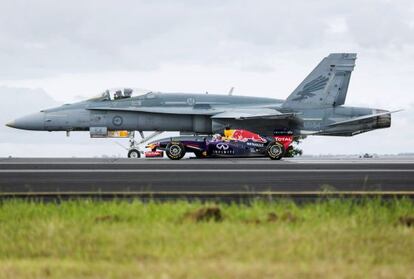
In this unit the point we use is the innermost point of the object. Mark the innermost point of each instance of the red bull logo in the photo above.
(243, 135)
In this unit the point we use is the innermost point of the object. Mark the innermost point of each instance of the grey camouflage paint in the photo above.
(315, 107)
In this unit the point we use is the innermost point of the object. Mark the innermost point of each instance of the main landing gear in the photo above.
(134, 152)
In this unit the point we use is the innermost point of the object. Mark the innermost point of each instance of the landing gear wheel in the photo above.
(134, 154)
(275, 151)
(175, 150)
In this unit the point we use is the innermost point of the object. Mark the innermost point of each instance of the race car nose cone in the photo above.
(30, 122)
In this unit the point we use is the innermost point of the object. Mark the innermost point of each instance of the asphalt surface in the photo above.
(232, 178)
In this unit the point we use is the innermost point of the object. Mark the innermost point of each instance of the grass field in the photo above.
(331, 239)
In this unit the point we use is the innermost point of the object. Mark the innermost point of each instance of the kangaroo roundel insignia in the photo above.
(117, 120)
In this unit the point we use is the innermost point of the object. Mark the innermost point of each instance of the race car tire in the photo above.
(175, 150)
(134, 154)
(275, 151)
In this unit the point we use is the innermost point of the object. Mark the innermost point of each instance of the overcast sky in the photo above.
(73, 49)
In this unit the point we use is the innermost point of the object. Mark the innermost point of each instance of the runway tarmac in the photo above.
(231, 178)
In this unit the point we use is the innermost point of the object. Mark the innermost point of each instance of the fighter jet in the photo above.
(315, 107)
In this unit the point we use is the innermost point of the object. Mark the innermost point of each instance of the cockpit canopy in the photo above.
(117, 94)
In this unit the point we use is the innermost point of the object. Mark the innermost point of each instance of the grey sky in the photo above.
(43, 38)
(264, 48)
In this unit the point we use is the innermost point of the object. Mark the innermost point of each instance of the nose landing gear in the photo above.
(134, 154)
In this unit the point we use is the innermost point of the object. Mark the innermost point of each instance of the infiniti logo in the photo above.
(222, 146)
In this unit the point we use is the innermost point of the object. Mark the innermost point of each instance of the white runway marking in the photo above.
(205, 170)
(222, 161)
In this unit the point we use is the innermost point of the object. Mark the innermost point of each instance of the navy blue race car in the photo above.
(235, 143)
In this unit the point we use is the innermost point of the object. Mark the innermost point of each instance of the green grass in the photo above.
(331, 239)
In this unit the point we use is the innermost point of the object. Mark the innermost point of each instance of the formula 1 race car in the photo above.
(234, 143)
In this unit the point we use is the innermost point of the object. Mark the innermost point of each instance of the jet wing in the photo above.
(260, 113)
(361, 119)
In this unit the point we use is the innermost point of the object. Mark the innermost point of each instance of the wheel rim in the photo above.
(133, 154)
(275, 150)
(175, 150)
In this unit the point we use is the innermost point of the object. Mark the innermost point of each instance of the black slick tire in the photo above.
(175, 150)
(275, 151)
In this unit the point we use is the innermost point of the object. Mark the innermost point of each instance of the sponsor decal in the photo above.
(283, 139)
(255, 144)
(223, 152)
(222, 146)
(244, 135)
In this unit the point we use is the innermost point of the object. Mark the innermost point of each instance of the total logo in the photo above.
(283, 139)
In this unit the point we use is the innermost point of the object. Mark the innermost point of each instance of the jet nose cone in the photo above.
(34, 121)
(10, 124)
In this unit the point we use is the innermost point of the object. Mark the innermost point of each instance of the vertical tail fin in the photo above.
(326, 85)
